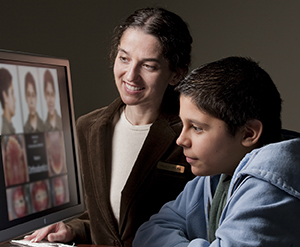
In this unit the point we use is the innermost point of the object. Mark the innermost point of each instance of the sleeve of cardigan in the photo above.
(81, 228)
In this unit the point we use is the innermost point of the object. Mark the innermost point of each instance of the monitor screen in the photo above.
(40, 180)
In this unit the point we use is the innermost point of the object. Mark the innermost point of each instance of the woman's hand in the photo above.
(58, 232)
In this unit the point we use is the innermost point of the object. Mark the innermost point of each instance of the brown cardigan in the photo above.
(156, 178)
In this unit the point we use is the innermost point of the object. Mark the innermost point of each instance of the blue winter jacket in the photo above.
(262, 209)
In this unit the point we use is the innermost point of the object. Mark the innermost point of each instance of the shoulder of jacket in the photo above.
(99, 115)
(90, 118)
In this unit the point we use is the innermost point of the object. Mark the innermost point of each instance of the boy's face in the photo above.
(206, 142)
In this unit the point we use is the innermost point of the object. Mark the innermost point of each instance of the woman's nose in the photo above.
(133, 72)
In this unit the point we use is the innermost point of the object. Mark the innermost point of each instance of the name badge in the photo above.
(170, 167)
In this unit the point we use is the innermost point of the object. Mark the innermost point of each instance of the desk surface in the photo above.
(8, 244)
(89, 245)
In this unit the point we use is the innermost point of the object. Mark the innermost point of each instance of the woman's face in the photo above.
(141, 72)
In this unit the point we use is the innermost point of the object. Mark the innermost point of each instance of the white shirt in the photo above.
(127, 142)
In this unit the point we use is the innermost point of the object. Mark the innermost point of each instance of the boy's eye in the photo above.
(197, 129)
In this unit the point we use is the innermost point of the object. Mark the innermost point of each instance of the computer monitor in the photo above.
(40, 181)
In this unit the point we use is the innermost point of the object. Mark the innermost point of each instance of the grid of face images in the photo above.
(32, 141)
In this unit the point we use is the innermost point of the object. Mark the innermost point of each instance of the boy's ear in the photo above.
(252, 133)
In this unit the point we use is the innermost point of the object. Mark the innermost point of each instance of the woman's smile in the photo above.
(131, 88)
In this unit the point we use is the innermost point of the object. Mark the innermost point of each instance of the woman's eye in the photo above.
(123, 59)
(149, 67)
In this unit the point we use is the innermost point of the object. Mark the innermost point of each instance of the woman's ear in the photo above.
(174, 81)
(177, 76)
(252, 133)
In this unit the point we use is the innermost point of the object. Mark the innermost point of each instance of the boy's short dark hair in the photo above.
(5, 83)
(236, 90)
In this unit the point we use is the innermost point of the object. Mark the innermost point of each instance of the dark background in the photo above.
(267, 31)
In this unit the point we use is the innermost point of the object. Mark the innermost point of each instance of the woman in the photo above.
(131, 164)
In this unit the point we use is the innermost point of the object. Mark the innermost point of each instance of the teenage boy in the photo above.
(231, 136)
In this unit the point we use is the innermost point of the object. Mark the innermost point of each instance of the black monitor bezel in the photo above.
(53, 217)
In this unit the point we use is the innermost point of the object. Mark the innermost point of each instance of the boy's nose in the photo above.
(182, 140)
